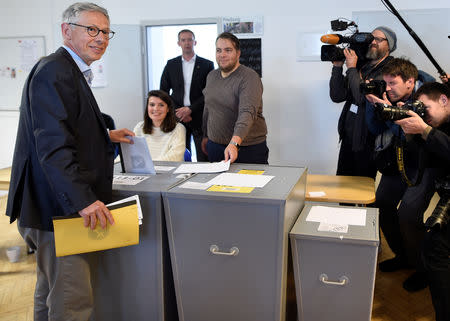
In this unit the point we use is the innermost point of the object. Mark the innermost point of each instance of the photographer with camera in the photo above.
(355, 155)
(435, 132)
(402, 227)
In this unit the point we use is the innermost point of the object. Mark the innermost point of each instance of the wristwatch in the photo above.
(235, 144)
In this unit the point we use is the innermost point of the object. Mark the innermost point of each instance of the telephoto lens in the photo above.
(387, 112)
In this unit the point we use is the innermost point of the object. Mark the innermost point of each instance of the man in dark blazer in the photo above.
(63, 161)
(186, 75)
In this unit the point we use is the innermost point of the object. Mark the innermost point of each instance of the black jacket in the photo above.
(347, 89)
(172, 79)
(438, 145)
(63, 159)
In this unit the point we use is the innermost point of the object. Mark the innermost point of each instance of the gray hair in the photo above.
(71, 14)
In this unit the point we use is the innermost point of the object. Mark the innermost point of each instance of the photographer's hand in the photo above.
(445, 78)
(350, 58)
(371, 98)
(338, 63)
(413, 124)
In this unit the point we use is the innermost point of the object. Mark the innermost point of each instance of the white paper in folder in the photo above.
(242, 180)
(337, 215)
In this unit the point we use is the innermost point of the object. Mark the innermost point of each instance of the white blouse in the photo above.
(164, 146)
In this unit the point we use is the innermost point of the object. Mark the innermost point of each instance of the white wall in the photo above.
(301, 118)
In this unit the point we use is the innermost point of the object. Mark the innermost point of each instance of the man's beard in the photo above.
(375, 54)
(228, 68)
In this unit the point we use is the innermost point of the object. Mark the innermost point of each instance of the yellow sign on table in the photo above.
(71, 237)
(250, 172)
(230, 189)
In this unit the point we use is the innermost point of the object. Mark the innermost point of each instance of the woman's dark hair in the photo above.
(169, 122)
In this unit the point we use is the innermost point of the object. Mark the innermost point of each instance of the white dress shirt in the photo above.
(188, 70)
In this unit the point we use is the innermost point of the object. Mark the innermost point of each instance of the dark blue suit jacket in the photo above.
(63, 159)
(172, 78)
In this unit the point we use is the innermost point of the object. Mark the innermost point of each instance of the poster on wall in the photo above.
(308, 46)
(18, 55)
(243, 26)
(98, 68)
(251, 54)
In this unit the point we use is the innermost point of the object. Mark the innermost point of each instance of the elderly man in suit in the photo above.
(63, 161)
(186, 75)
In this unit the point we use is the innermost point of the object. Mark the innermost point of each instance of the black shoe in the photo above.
(393, 265)
(415, 282)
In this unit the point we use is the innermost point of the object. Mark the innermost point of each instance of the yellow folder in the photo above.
(71, 237)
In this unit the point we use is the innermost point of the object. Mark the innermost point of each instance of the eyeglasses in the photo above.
(94, 31)
(379, 39)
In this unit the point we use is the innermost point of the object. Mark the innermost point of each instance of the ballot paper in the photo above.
(242, 180)
(72, 237)
(128, 199)
(337, 215)
(128, 179)
(325, 227)
(194, 185)
(317, 194)
(203, 167)
(136, 157)
(164, 168)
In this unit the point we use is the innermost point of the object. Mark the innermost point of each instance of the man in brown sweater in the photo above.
(233, 123)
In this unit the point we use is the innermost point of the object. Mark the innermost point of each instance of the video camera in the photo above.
(441, 216)
(386, 112)
(358, 41)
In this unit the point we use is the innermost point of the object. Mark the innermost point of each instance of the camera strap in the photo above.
(399, 151)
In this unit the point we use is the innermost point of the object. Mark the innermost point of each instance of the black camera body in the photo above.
(359, 42)
(386, 112)
(441, 214)
(331, 53)
(375, 87)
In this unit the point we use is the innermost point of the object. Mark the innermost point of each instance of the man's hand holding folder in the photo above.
(96, 211)
(72, 235)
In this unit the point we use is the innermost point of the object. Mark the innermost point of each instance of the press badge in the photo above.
(354, 108)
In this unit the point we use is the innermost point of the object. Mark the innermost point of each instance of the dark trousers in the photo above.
(436, 262)
(351, 163)
(198, 136)
(253, 154)
(403, 228)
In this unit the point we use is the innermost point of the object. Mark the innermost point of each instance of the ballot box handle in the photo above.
(343, 280)
(214, 249)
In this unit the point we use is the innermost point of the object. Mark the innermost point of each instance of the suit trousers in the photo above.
(404, 228)
(252, 154)
(198, 137)
(63, 287)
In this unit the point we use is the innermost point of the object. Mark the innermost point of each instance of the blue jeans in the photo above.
(253, 154)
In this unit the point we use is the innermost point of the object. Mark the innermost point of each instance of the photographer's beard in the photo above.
(375, 53)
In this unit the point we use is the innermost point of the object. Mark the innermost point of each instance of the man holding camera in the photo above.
(435, 131)
(355, 155)
(403, 227)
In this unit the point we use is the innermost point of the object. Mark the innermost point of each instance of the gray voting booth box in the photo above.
(229, 250)
(334, 272)
(135, 282)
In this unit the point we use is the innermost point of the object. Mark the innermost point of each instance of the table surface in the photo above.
(341, 189)
(5, 177)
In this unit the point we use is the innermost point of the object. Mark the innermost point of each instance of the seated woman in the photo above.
(166, 139)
